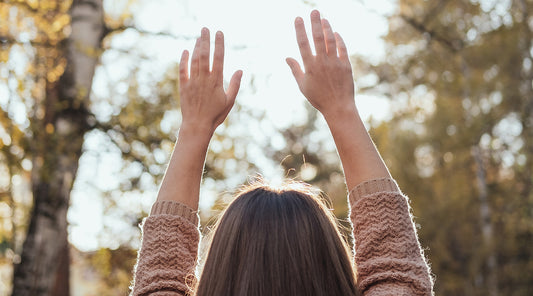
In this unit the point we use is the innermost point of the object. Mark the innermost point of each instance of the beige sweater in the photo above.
(388, 256)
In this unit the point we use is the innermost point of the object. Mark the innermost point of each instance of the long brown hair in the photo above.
(277, 242)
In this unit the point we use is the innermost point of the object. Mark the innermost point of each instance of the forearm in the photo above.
(360, 159)
(182, 179)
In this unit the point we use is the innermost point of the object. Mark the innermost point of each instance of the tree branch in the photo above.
(109, 30)
(433, 11)
(371, 10)
(453, 45)
(9, 41)
(107, 129)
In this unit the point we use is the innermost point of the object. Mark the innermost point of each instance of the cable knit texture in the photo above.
(388, 256)
(167, 258)
(387, 253)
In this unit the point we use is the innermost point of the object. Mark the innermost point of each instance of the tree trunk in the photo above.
(526, 117)
(491, 280)
(58, 140)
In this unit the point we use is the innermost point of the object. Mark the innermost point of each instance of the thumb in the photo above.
(234, 85)
(296, 69)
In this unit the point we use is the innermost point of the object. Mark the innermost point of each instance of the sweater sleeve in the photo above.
(388, 256)
(167, 257)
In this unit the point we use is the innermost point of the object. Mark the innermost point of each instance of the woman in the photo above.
(280, 241)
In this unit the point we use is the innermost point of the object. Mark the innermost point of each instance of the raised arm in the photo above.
(388, 256)
(204, 106)
(168, 254)
(328, 85)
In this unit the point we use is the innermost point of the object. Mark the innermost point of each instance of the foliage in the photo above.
(459, 77)
(136, 115)
(460, 141)
(30, 45)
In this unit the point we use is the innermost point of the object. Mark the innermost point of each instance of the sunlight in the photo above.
(259, 36)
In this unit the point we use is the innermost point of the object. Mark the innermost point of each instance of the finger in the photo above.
(343, 52)
(303, 41)
(234, 85)
(195, 59)
(204, 51)
(296, 69)
(218, 56)
(330, 38)
(318, 33)
(184, 67)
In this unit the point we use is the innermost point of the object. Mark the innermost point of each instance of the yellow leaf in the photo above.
(50, 128)
(60, 23)
(4, 56)
(34, 4)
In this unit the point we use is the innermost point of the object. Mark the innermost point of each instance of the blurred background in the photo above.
(89, 112)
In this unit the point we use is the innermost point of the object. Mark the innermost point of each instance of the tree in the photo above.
(59, 118)
(459, 77)
(50, 52)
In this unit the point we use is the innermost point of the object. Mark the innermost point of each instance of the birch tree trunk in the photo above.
(491, 280)
(58, 140)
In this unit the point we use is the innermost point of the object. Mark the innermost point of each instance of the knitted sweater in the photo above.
(388, 256)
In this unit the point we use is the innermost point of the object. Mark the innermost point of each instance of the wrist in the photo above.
(197, 128)
(198, 131)
(341, 114)
(346, 123)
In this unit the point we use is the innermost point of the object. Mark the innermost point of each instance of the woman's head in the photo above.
(277, 242)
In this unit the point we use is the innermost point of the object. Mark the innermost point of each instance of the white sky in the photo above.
(259, 36)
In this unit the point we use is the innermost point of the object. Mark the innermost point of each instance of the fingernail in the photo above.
(205, 30)
(219, 34)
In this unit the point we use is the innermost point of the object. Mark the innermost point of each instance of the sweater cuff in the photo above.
(373, 186)
(168, 207)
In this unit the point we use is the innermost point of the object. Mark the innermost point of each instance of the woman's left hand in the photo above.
(204, 102)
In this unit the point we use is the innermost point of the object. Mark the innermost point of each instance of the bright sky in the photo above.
(259, 36)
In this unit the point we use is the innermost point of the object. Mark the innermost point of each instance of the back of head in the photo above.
(277, 242)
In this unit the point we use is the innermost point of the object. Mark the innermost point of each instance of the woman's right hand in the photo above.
(328, 81)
